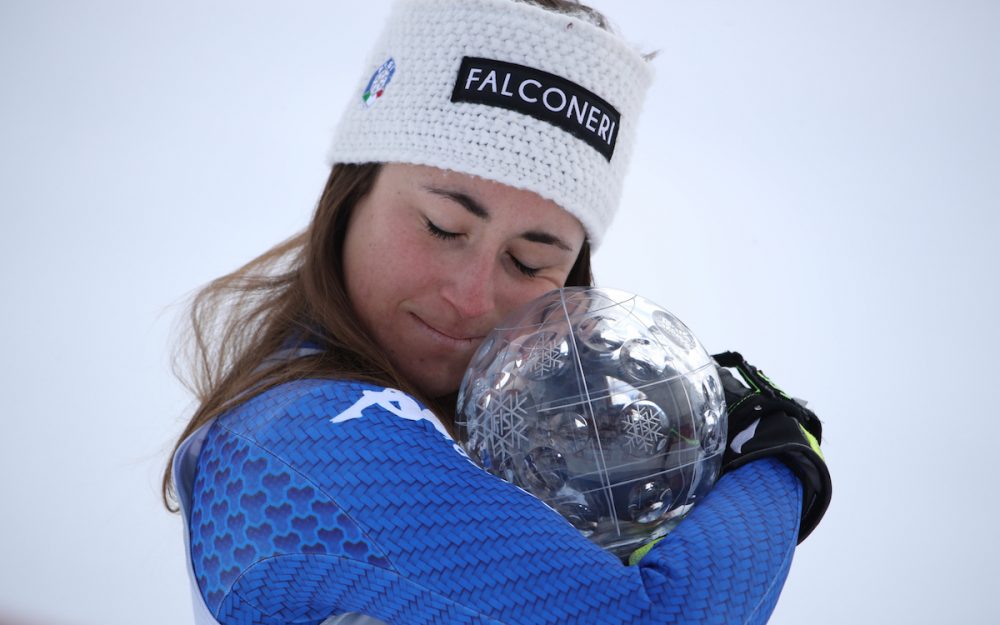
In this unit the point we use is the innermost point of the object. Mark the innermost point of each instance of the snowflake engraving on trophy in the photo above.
(676, 332)
(603, 405)
(644, 428)
(504, 422)
(544, 354)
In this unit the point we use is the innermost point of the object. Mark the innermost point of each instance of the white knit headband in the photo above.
(505, 91)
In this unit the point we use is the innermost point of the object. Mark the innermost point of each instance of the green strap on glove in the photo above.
(765, 421)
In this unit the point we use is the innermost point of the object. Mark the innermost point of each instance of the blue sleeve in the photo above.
(310, 503)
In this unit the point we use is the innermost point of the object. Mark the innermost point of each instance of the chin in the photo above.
(435, 381)
(434, 386)
(441, 391)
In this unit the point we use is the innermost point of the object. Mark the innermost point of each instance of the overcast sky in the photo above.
(815, 184)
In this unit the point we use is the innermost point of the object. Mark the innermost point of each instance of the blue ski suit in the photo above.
(329, 501)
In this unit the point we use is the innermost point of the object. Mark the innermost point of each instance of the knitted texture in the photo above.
(412, 117)
(298, 515)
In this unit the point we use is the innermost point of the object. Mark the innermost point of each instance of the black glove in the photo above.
(765, 421)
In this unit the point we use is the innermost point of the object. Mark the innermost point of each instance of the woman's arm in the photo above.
(300, 513)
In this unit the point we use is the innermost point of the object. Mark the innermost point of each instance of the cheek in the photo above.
(520, 295)
(365, 276)
(392, 266)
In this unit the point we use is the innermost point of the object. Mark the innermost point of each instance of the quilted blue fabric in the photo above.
(297, 516)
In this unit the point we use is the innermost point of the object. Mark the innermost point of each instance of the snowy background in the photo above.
(816, 185)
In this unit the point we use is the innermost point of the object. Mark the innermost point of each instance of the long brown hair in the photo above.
(291, 294)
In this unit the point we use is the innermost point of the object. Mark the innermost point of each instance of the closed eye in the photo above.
(531, 272)
(445, 235)
(438, 232)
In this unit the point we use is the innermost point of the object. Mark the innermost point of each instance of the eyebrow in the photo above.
(467, 202)
(544, 237)
(480, 211)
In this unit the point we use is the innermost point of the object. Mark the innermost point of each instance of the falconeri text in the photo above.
(542, 95)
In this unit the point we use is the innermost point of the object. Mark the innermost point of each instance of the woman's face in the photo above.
(433, 259)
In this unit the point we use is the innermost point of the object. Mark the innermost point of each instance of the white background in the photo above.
(815, 185)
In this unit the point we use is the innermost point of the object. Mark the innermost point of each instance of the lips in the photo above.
(457, 335)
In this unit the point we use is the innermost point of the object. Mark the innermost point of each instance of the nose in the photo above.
(471, 289)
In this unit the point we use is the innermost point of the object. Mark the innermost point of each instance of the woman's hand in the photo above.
(766, 421)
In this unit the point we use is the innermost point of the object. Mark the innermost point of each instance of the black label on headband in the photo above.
(542, 95)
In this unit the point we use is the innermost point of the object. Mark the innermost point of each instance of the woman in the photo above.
(478, 165)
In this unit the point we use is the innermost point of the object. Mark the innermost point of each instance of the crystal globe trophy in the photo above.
(601, 404)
